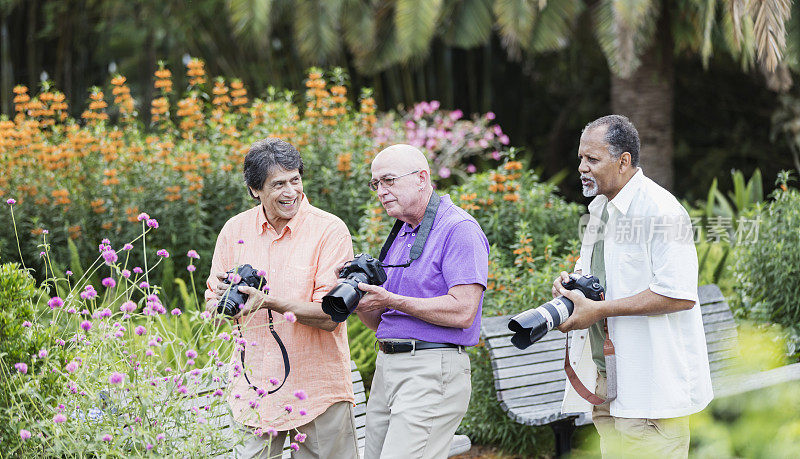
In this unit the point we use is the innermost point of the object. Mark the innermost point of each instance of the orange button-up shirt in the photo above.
(299, 264)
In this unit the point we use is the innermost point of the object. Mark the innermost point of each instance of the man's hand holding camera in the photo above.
(586, 312)
(375, 298)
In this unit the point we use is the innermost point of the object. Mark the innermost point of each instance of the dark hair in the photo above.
(621, 136)
(264, 156)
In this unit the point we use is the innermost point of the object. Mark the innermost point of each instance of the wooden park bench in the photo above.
(222, 419)
(530, 383)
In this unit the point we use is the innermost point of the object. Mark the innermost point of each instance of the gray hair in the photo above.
(264, 156)
(621, 136)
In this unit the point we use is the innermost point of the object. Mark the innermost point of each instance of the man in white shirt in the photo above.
(646, 260)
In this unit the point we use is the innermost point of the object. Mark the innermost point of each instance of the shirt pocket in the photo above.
(298, 283)
(634, 270)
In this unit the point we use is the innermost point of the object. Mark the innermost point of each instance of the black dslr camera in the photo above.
(343, 299)
(229, 304)
(530, 326)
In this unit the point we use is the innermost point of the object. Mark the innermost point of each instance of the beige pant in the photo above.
(416, 403)
(633, 437)
(331, 435)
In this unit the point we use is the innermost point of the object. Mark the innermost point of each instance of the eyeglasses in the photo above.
(387, 181)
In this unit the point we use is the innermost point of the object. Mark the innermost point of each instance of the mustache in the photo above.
(586, 177)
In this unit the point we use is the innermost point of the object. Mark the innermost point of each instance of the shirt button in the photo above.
(409, 245)
(413, 234)
(273, 270)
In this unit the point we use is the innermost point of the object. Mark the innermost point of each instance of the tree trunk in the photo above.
(646, 98)
(7, 74)
(30, 41)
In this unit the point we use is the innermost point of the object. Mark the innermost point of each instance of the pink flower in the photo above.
(193, 254)
(137, 270)
(176, 312)
(303, 412)
(55, 302)
(294, 446)
(144, 285)
(300, 394)
(444, 172)
(128, 306)
(271, 432)
(490, 116)
(471, 168)
(163, 253)
(125, 273)
(217, 393)
(290, 317)
(205, 315)
(300, 438)
(109, 282)
(435, 104)
(21, 367)
(456, 114)
(191, 268)
(273, 381)
(110, 256)
(116, 378)
(152, 223)
(11, 202)
(159, 437)
(42, 353)
(140, 330)
(24, 434)
(288, 408)
(504, 139)
(106, 437)
(86, 325)
(128, 246)
(59, 418)
(496, 155)
(71, 367)
(191, 354)
(143, 216)
(26, 324)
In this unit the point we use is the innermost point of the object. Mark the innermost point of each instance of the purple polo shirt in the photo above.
(456, 253)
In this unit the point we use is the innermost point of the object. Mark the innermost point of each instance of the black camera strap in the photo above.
(422, 233)
(283, 353)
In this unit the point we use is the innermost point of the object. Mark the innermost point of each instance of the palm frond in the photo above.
(467, 23)
(384, 49)
(357, 26)
(769, 20)
(416, 24)
(554, 25)
(515, 19)
(251, 19)
(625, 30)
(316, 29)
(709, 19)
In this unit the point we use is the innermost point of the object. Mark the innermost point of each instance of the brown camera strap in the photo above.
(611, 373)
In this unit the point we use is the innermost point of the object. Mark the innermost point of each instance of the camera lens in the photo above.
(342, 300)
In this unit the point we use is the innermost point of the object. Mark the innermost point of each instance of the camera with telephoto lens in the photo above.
(530, 326)
(229, 304)
(340, 302)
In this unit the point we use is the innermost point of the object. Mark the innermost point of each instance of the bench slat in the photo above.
(547, 371)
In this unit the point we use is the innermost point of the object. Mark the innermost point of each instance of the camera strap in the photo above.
(283, 353)
(611, 373)
(422, 233)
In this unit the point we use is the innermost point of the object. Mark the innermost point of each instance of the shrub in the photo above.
(765, 271)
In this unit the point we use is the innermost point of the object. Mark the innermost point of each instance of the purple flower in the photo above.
(21, 367)
(288, 408)
(143, 216)
(106, 437)
(301, 437)
(137, 270)
(490, 116)
(105, 241)
(68, 273)
(290, 317)
(271, 432)
(140, 330)
(273, 381)
(42, 353)
(128, 306)
(159, 437)
(110, 256)
(240, 241)
(106, 312)
(86, 325)
(44, 231)
(496, 155)
(24, 434)
(471, 168)
(193, 254)
(148, 446)
(109, 282)
(300, 394)
(11, 202)
(89, 293)
(116, 378)
(176, 312)
(59, 418)
(125, 273)
(26, 324)
(253, 404)
(72, 367)
(217, 393)
(127, 246)
(152, 223)
(55, 302)
(294, 446)
(191, 268)
(163, 253)
(504, 139)
(144, 285)
(205, 315)
(303, 412)
(444, 172)
(456, 114)
(191, 353)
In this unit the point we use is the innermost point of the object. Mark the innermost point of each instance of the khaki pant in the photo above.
(633, 437)
(331, 435)
(416, 403)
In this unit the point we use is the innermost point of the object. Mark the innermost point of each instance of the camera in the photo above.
(530, 326)
(229, 304)
(340, 302)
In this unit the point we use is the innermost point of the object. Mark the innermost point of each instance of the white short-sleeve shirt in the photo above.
(662, 362)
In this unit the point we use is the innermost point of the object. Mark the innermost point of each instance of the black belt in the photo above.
(395, 347)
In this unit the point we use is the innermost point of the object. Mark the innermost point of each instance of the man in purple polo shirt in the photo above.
(424, 314)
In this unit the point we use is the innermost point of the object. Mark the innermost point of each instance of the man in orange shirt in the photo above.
(296, 248)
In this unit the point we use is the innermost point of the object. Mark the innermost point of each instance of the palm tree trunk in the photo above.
(7, 74)
(646, 98)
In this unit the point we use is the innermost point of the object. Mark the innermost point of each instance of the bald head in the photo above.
(402, 157)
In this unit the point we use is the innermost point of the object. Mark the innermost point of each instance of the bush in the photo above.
(766, 271)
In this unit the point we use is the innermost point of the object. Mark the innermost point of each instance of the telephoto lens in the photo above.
(340, 302)
(531, 326)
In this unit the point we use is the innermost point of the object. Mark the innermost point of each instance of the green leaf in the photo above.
(316, 29)
(467, 23)
(416, 24)
(554, 25)
(625, 30)
(74, 259)
(515, 19)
